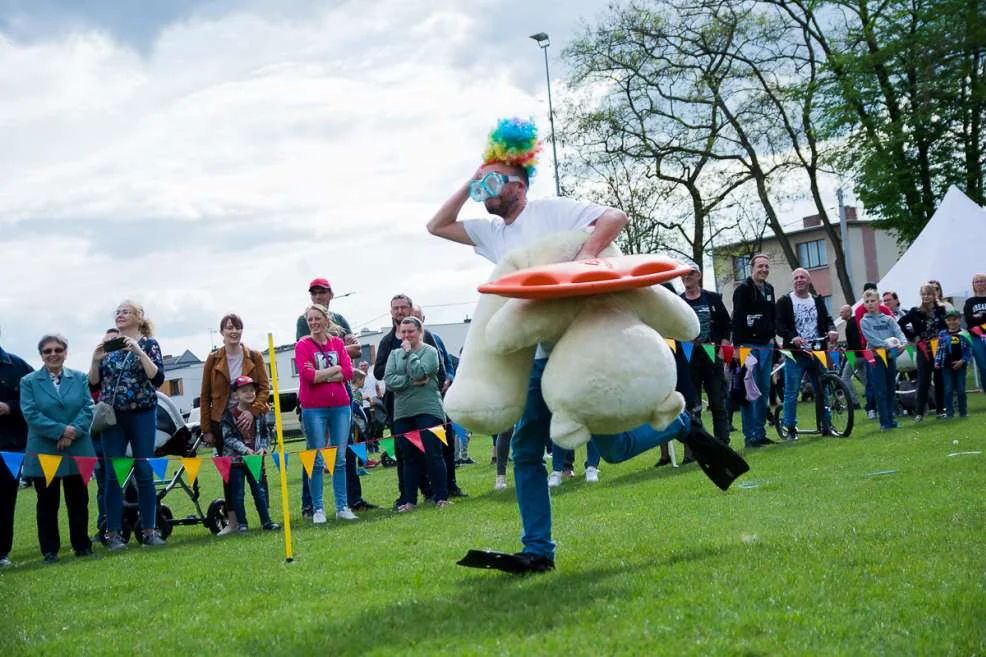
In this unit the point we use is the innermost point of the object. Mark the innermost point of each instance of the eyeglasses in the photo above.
(490, 185)
(123, 311)
(53, 350)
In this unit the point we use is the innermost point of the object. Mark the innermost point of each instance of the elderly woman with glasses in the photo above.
(128, 370)
(57, 407)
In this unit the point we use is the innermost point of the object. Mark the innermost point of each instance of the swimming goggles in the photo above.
(490, 185)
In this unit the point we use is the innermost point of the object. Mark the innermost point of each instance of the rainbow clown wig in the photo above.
(514, 142)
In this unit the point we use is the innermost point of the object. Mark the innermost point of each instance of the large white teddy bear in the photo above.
(610, 369)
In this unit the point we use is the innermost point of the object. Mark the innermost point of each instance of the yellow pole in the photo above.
(285, 507)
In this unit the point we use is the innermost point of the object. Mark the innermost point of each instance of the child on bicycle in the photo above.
(240, 442)
(952, 357)
(881, 332)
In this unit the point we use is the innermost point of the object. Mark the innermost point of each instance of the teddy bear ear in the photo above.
(521, 323)
(665, 312)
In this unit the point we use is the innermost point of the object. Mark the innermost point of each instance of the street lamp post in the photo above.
(543, 42)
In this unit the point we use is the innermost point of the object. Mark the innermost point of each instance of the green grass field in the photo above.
(811, 553)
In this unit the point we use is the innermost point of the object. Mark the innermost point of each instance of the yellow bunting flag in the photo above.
(882, 353)
(671, 344)
(329, 456)
(49, 465)
(439, 432)
(820, 355)
(308, 460)
(192, 464)
(934, 347)
(743, 353)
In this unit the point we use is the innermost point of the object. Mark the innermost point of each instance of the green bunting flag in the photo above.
(787, 354)
(710, 351)
(254, 462)
(851, 357)
(910, 351)
(122, 466)
(387, 446)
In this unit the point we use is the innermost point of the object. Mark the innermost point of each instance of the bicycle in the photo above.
(835, 415)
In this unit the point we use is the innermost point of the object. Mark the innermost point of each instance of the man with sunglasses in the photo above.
(502, 188)
(13, 438)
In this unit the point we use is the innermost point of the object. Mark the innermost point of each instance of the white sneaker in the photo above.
(871, 415)
(226, 531)
(318, 517)
(501, 482)
(592, 474)
(345, 513)
(554, 479)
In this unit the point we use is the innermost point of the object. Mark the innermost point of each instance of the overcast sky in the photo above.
(208, 157)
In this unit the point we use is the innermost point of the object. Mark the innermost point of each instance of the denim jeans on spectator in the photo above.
(794, 371)
(531, 438)
(979, 355)
(883, 375)
(99, 474)
(328, 427)
(561, 456)
(754, 414)
(237, 474)
(137, 429)
(954, 385)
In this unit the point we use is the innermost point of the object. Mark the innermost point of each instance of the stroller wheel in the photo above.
(215, 517)
(164, 517)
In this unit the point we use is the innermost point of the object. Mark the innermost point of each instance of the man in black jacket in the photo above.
(708, 372)
(753, 327)
(13, 438)
(803, 318)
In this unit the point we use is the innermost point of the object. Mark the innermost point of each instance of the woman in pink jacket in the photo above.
(324, 367)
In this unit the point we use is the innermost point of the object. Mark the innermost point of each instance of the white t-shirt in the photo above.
(805, 316)
(494, 239)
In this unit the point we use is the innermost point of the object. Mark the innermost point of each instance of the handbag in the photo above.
(103, 415)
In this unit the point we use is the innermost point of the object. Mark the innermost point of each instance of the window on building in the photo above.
(294, 368)
(811, 255)
(174, 387)
(828, 304)
(741, 267)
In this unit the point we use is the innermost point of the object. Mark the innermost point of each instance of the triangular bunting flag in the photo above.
(13, 462)
(439, 432)
(307, 457)
(86, 465)
(787, 353)
(223, 464)
(388, 445)
(743, 353)
(910, 350)
(49, 465)
(160, 466)
(851, 357)
(727, 353)
(415, 439)
(978, 330)
(836, 358)
(277, 459)
(923, 346)
(459, 430)
(820, 355)
(191, 465)
(868, 356)
(359, 449)
(882, 353)
(329, 458)
(671, 344)
(934, 347)
(710, 351)
(121, 468)
(255, 464)
(687, 348)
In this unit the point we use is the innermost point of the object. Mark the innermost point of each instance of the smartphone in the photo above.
(114, 344)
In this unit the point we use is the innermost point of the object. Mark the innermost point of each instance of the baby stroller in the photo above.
(172, 439)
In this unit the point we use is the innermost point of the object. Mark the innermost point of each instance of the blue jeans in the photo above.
(979, 355)
(136, 428)
(237, 474)
(331, 422)
(794, 371)
(531, 438)
(882, 377)
(560, 457)
(954, 381)
(414, 462)
(754, 414)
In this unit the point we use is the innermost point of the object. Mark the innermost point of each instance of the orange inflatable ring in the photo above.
(581, 278)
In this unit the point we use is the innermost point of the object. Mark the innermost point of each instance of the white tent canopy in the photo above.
(950, 249)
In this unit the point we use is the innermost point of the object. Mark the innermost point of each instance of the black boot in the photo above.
(719, 463)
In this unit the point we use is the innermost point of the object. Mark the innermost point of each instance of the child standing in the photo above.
(952, 357)
(881, 332)
(255, 439)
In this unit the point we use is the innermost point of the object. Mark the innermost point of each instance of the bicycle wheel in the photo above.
(839, 404)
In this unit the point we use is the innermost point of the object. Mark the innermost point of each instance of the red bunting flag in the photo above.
(223, 464)
(415, 439)
(923, 346)
(86, 465)
(868, 355)
(727, 353)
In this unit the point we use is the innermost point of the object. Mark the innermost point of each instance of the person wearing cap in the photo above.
(952, 359)
(13, 438)
(222, 367)
(251, 439)
(709, 373)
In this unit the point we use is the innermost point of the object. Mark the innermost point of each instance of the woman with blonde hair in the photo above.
(922, 324)
(128, 370)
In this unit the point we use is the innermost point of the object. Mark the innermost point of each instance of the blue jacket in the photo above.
(48, 411)
(942, 358)
(13, 431)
